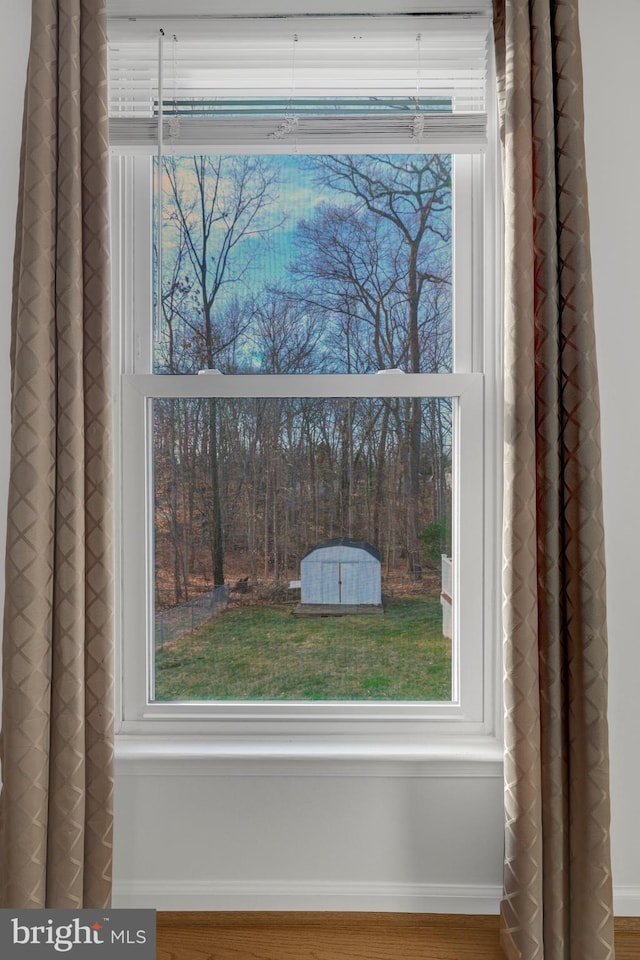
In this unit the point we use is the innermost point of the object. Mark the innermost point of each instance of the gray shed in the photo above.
(341, 575)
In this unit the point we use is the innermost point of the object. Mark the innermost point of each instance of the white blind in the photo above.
(269, 84)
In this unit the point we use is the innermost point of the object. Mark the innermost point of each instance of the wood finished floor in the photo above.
(340, 936)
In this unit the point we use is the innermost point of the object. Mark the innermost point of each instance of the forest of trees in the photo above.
(329, 264)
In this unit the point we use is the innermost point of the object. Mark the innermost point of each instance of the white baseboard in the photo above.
(347, 897)
(626, 901)
(308, 895)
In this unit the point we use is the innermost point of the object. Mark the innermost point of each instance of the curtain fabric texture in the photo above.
(558, 897)
(55, 807)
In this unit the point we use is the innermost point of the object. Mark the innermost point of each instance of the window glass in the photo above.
(303, 548)
(304, 264)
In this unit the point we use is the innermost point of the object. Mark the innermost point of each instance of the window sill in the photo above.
(444, 757)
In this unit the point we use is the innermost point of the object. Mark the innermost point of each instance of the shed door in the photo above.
(329, 582)
(339, 581)
(336, 582)
(350, 583)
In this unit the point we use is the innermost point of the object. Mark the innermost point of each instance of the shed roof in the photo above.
(346, 542)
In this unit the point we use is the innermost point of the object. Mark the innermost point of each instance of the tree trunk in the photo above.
(378, 500)
(215, 514)
(415, 426)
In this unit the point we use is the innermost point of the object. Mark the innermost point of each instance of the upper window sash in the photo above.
(132, 261)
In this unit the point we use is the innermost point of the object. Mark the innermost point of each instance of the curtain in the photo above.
(557, 884)
(57, 715)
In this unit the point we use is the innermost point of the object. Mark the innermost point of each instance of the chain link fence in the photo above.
(177, 621)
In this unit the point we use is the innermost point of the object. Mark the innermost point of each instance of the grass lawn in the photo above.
(265, 653)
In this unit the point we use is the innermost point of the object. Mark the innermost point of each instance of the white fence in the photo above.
(446, 596)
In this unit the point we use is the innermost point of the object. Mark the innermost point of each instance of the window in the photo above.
(306, 371)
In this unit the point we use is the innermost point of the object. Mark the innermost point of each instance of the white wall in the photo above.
(610, 34)
(223, 836)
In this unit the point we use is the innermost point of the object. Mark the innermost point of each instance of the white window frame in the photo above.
(475, 706)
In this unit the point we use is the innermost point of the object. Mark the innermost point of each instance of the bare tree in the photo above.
(215, 204)
(385, 254)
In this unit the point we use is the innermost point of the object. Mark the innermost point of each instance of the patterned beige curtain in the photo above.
(557, 899)
(55, 807)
